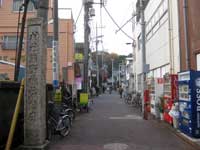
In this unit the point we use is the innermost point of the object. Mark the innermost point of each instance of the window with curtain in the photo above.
(18, 3)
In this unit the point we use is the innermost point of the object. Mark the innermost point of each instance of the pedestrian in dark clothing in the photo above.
(97, 90)
(120, 91)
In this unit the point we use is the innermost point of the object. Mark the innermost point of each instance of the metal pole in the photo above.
(119, 75)
(102, 68)
(143, 78)
(112, 71)
(97, 58)
(19, 52)
(86, 44)
(187, 53)
(15, 116)
(55, 62)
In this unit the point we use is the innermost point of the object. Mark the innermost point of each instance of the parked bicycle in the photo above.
(134, 99)
(59, 122)
(69, 108)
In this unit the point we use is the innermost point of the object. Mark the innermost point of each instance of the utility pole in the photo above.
(97, 58)
(86, 43)
(112, 71)
(143, 76)
(19, 49)
(119, 74)
(55, 55)
(102, 67)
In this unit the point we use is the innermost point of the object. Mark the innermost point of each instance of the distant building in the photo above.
(9, 11)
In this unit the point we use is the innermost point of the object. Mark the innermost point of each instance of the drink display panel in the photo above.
(189, 103)
(184, 92)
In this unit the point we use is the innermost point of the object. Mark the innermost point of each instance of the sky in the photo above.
(120, 10)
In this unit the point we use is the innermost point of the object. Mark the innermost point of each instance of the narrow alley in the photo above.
(113, 125)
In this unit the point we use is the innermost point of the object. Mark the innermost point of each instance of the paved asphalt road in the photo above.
(112, 125)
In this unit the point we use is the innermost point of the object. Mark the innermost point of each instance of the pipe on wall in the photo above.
(171, 42)
(187, 52)
(179, 33)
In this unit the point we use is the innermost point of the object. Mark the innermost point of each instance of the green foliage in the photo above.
(107, 59)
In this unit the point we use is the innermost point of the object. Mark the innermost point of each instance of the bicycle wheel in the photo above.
(66, 123)
(133, 102)
(129, 99)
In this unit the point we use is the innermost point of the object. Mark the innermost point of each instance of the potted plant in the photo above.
(161, 106)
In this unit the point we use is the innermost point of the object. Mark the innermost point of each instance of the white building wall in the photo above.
(176, 35)
(157, 39)
(157, 48)
(157, 35)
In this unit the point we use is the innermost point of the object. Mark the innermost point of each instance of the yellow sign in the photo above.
(83, 98)
(79, 56)
(58, 96)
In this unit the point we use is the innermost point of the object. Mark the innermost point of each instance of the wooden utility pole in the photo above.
(20, 46)
(86, 43)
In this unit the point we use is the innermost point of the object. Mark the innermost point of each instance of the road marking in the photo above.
(127, 117)
(115, 146)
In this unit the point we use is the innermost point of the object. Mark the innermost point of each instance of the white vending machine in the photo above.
(158, 92)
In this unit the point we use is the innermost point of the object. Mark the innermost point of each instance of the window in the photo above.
(9, 42)
(5, 58)
(1, 2)
(49, 41)
(18, 3)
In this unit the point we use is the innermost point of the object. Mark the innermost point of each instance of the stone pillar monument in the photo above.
(35, 88)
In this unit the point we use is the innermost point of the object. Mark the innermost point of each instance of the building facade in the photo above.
(9, 12)
(192, 11)
(162, 40)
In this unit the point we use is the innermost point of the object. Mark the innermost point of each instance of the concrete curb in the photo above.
(182, 136)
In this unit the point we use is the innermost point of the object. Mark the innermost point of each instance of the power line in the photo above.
(117, 24)
(79, 14)
(125, 23)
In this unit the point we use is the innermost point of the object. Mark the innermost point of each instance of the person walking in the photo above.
(120, 91)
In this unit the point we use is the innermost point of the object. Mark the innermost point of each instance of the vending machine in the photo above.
(158, 93)
(189, 103)
(155, 87)
(151, 89)
(170, 95)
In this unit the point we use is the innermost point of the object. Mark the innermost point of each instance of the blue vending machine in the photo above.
(189, 102)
